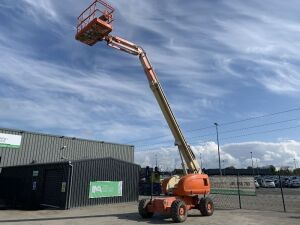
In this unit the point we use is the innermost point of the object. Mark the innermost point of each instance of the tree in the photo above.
(230, 168)
(296, 171)
(272, 169)
(285, 172)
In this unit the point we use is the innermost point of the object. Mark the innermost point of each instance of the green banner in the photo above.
(9, 146)
(100, 189)
(10, 140)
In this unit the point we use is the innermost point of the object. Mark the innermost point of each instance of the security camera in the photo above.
(63, 147)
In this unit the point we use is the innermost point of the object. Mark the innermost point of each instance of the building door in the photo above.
(52, 195)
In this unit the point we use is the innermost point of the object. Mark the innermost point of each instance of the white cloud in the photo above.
(49, 86)
(265, 42)
(285, 79)
(43, 96)
(38, 10)
(236, 154)
(199, 58)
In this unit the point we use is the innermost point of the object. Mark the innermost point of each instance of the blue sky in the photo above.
(218, 61)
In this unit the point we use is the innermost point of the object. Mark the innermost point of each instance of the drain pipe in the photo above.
(70, 183)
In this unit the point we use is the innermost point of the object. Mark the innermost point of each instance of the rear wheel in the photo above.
(143, 211)
(206, 206)
(178, 211)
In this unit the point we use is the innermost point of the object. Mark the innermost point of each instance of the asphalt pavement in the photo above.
(126, 213)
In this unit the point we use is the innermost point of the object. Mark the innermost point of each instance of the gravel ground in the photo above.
(126, 213)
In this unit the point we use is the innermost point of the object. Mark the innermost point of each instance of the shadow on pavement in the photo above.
(295, 217)
(157, 219)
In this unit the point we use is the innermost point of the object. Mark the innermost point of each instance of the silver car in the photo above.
(256, 184)
(268, 184)
(295, 183)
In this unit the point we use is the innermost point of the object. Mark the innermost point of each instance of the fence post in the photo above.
(238, 186)
(282, 196)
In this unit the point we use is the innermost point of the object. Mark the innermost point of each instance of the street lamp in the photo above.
(252, 164)
(295, 163)
(201, 165)
(257, 167)
(216, 124)
(224, 167)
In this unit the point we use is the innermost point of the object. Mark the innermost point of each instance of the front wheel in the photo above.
(178, 211)
(143, 211)
(206, 206)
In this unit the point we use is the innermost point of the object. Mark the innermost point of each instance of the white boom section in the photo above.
(184, 148)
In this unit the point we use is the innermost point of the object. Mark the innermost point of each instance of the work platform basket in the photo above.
(94, 23)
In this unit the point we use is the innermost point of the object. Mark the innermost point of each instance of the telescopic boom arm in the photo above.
(94, 25)
(133, 49)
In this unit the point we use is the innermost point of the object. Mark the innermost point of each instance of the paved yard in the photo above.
(126, 213)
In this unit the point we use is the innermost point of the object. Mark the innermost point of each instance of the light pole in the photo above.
(201, 162)
(295, 163)
(224, 173)
(216, 124)
(257, 167)
(252, 164)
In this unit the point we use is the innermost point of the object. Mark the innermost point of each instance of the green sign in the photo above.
(100, 189)
(10, 140)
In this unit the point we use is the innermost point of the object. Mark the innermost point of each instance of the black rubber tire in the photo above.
(176, 211)
(206, 206)
(143, 209)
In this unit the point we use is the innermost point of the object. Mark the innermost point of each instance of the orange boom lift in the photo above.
(181, 193)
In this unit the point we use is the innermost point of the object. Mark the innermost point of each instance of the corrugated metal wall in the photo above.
(36, 185)
(26, 186)
(103, 170)
(42, 148)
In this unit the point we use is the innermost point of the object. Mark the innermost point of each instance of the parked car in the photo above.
(259, 181)
(277, 183)
(294, 183)
(256, 184)
(287, 183)
(284, 181)
(268, 184)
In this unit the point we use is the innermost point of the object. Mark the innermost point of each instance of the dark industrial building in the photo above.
(21, 147)
(69, 184)
(39, 170)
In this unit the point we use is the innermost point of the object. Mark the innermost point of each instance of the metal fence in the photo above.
(275, 193)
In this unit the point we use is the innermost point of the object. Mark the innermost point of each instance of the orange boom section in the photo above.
(192, 184)
(94, 23)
